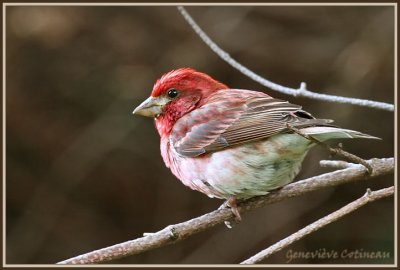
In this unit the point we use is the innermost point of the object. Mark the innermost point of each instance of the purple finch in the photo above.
(231, 143)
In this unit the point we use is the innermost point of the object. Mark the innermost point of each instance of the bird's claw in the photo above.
(231, 203)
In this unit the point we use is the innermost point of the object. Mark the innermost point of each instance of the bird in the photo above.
(231, 144)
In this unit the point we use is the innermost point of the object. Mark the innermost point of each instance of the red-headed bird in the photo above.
(231, 143)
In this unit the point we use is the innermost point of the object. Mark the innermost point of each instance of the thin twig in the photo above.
(336, 164)
(300, 92)
(174, 233)
(333, 150)
(369, 196)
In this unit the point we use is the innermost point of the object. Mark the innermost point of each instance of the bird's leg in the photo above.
(231, 202)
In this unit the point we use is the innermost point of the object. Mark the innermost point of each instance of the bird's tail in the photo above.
(327, 133)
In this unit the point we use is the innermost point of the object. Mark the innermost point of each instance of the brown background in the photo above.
(83, 173)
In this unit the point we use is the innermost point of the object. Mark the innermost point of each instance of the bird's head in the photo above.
(175, 94)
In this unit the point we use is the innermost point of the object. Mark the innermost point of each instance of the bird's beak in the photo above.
(151, 107)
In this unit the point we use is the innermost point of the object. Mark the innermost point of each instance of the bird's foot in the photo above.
(231, 203)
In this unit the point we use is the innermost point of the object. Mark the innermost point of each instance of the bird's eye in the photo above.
(172, 93)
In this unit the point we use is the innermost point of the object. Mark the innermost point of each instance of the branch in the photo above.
(368, 197)
(302, 91)
(336, 164)
(174, 233)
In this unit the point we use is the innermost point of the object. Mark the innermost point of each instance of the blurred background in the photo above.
(83, 173)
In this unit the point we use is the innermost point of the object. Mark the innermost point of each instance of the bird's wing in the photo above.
(232, 117)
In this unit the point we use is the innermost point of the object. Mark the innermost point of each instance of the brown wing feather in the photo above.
(235, 117)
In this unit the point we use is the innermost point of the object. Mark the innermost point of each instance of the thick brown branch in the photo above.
(368, 197)
(178, 232)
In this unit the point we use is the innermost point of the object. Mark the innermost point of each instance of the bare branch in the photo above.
(336, 164)
(368, 197)
(174, 233)
(300, 92)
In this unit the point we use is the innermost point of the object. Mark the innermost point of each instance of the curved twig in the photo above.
(174, 233)
(369, 196)
(302, 91)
